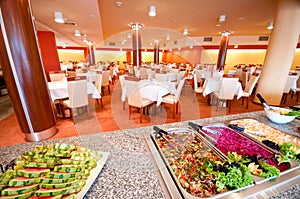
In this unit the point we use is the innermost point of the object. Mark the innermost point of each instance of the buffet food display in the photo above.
(214, 160)
(56, 171)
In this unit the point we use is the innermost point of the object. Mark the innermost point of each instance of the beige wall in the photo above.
(241, 56)
(66, 55)
(234, 56)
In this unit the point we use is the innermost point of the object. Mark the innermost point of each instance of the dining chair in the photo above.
(135, 100)
(174, 98)
(161, 77)
(226, 92)
(122, 84)
(290, 84)
(98, 85)
(197, 88)
(78, 97)
(143, 73)
(111, 75)
(57, 75)
(105, 81)
(245, 77)
(249, 88)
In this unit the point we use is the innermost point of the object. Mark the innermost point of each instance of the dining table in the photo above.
(212, 85)
(149, 89)
(59, 90)
(90, 75)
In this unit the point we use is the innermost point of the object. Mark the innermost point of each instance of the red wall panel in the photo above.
(49, 52)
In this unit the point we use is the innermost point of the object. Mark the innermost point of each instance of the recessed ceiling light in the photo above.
(270, 26)
(119, 3)
(59, 17)
(241, 18)
(218, 24)
(185, 31)
(152, 11)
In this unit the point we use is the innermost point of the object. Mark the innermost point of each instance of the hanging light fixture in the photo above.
(152, 11)
(58, 17)
(185, 31)
(77, 33)
(270, 26)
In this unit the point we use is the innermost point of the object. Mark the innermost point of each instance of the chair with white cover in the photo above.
(111, 75)
(105, 81)
(143, 73)
(135, 100)
(174, 98)
(122, 83)
(245, 78)
(197, 88)
(249, 88)
(57, 75)
(78, 97)
(98, 85)
(161, 77)
(227, 91)
(290, 84)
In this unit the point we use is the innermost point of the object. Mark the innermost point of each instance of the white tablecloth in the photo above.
(59, 90)
(211, 85)
(152, 90)
(90, 76)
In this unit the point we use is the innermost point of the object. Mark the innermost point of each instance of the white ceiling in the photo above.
(105, 23)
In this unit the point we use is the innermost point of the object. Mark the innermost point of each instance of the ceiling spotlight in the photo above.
(58, 17)
(119, 3)
(179, 48)
(85, 39)
(236, 46)
(191, 46)
(270, 26)
(64, 45)
(185, 31)
(77, 33)
(152, 11)
(128, 35)
(168, 37)
(222, 18)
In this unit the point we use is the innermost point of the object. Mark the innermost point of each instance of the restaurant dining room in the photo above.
(149, 99)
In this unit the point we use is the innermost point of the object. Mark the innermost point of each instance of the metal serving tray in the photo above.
(183, 193)
(258, 180)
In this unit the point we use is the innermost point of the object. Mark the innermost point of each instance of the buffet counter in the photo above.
(130, 171)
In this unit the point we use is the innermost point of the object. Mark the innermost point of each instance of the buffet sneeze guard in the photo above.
(261, 188)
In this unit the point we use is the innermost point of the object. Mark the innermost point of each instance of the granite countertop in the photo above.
(129, 171)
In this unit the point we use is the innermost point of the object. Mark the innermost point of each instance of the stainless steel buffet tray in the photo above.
(173, 189)
(172, 178)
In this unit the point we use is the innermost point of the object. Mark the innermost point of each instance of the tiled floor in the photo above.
(112, 116)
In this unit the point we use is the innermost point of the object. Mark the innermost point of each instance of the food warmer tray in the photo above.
(173, 190)
(258, 180)
(170, 178)
(261, 131)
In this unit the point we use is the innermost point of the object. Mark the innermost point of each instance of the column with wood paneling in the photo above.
(23, 71)
(91, 53)
(156, 51)
(223, 50)
(136, 44)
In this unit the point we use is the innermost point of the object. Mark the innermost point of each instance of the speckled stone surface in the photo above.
(129, 171)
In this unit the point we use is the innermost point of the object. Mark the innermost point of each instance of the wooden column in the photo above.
(136, 44)
(23, 71)
(223, 50)
(156, 52)
(91, 53)
(281, 51)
